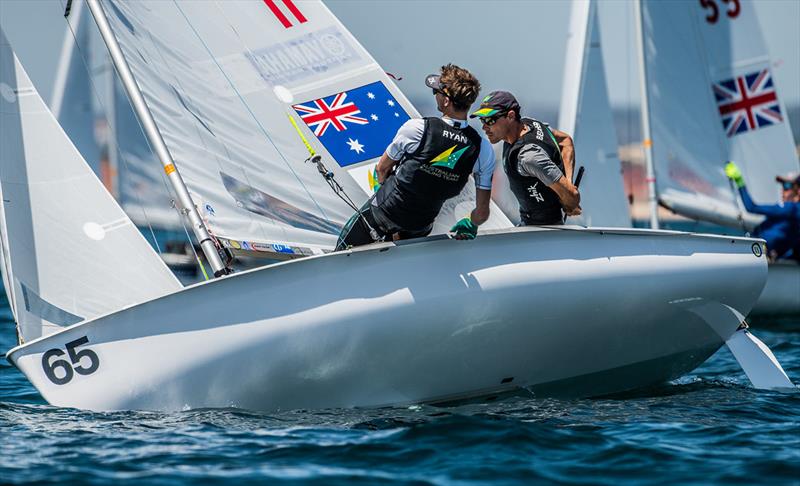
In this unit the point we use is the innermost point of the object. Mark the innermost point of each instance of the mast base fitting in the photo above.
(226, 256)
(223, 272)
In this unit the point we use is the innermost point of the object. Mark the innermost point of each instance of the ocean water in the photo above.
(708, 427)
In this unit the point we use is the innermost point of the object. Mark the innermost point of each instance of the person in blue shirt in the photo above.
(781, 227)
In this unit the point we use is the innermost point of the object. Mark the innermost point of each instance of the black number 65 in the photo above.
(50, 365)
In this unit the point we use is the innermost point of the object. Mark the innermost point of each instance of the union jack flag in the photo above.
(320, 114)
(747, 102)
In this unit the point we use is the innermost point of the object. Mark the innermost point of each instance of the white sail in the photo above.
(70, 253)
(143, 189)
(71, 101)
(222, 80)
(712, 98)
(586, 114)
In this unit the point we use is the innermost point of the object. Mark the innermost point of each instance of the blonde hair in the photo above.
(460, 86)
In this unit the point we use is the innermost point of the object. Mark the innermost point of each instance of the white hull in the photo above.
(568, 311)
(781, 295)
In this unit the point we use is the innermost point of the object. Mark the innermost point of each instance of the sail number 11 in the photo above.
(78, 361)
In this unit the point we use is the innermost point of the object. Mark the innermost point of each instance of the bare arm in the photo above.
(480, 214)
(385, 167)
(567, 151)
(569, 196)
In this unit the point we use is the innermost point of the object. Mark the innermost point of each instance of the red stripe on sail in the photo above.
(277, 13)
(295, 11)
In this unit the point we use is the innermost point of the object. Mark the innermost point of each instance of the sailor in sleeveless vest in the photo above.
(428, 162)
(538, 161)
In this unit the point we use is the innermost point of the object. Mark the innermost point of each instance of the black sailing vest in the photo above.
(439, 169)
(538, 204)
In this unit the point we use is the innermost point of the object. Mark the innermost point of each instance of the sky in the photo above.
(517, 45)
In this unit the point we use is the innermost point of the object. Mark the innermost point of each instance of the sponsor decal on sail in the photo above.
(303, 57)
(354, 125)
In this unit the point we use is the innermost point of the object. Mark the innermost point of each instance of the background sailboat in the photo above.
(710, 97)
(586, 114)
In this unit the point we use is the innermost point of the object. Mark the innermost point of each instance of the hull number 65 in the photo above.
(83, 362)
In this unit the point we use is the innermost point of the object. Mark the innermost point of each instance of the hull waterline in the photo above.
(558, 311)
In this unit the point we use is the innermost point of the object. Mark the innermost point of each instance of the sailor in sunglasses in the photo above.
(538, 161)
(781, 226)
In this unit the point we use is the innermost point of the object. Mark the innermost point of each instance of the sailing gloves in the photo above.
(465, 229)
(734, 174)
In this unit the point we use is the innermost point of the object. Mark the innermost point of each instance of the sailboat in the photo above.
(224, 92)
(709, 97)
(585, 113)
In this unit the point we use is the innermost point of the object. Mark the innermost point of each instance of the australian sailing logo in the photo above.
(448, 158)
(303, 57)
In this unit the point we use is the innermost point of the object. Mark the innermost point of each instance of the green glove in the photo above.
(734, 174)
(465, 229)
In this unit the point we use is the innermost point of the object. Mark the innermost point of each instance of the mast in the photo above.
(156, 141)
(647, 142)
(110, 172)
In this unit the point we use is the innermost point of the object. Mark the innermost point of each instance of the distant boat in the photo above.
(585, 113)
(710, 97)
(103, 324)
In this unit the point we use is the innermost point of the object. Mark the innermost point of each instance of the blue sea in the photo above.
(708, 427)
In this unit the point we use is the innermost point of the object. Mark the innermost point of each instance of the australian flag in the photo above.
(747, 102)
(354, 125)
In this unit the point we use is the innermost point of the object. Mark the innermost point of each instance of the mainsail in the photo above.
(131, 172)
(222, 80)
(69, 252)
(586, 114)
(143, 191)
(712, 98)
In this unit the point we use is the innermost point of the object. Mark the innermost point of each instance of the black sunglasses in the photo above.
(787, 186)
(491, 120)
(438, 91)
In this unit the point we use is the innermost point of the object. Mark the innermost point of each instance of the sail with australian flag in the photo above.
(223, 79)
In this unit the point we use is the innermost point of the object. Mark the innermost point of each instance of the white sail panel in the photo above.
(712, 99)
(144, 192)
(586, 114)
(70, 253)
(71, 102)
(222, 80)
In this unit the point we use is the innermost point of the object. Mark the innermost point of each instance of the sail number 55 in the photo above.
(83, 362)
(713, 9)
